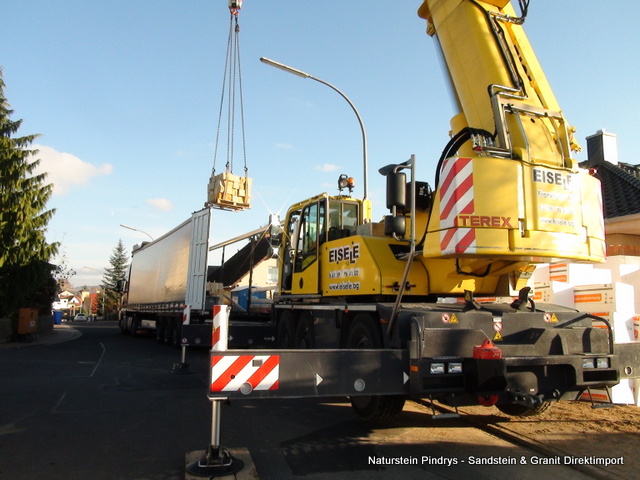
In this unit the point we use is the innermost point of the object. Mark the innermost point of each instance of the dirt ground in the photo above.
(576, 429)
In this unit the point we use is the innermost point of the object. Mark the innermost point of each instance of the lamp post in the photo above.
(302, 74)
(136, 230)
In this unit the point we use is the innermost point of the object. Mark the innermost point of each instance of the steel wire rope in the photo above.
(222, 96)
(232, 79)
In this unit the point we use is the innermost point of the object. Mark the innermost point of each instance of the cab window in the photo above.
(343, 219)
(311, 233)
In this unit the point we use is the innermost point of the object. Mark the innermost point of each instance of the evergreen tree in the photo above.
(25, 274)
(119, 262)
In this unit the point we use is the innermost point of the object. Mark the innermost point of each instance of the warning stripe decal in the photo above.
(231, 372)
(456, 197)
(266, 372)
(456, 192)
(462, 194)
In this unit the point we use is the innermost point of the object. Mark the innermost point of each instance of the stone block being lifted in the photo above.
(229, 192)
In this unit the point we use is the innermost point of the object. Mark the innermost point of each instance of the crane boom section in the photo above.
(498, 82)
(508, 187)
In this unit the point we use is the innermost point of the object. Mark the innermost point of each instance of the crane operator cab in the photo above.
(308, 226)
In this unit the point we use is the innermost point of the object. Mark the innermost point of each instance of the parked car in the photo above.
(81, 317)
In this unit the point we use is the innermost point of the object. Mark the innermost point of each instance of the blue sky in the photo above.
(125, 95)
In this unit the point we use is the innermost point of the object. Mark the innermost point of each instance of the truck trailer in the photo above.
(171, 289)
(167, 279)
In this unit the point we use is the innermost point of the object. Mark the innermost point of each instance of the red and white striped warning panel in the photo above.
(267, 373)
(245, 373)
(456, 198)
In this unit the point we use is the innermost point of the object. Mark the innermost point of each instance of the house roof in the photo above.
(620, 188)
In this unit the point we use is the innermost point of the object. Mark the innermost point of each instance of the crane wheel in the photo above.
(363, 333)
(286, 330)
(304, 337)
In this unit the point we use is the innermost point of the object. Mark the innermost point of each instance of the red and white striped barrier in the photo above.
(220, 329)
(244, 373)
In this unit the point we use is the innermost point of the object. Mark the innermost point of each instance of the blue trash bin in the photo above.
(57, 318)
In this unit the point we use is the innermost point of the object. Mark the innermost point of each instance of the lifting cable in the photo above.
(233, 77)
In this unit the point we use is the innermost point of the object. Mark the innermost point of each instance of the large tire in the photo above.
(363, 333)
(286, 330)
(168, 331)
(305, 337)
(122, 322)
(135, 325)
(176, 339)
(517, 410)
(160, 326)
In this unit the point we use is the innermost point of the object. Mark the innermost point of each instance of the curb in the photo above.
(60, 334)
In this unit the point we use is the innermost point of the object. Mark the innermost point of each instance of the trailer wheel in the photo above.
(176, 338)
(135, 325)
(286, 330)
(305, 338)
(123, 325)
(160, 325)
(371, 408)
(517, 410)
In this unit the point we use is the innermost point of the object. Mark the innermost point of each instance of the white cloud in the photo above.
(160, 203)
(65, 170)
(327, 167)
(284, 146)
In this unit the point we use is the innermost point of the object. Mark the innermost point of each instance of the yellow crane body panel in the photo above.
(501, 208)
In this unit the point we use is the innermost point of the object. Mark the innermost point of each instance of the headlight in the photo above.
(454, 367)
(602, 363)
(436, 368)
(588, 363)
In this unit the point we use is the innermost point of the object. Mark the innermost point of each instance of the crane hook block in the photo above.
(229, 192)
(235, 6)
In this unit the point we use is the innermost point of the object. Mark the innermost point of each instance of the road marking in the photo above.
(99, 360)
(59, 403)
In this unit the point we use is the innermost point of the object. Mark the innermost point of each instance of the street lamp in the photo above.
(136, 230)
(302, 74)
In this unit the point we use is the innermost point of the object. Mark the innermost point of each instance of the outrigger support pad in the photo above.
(216, 462)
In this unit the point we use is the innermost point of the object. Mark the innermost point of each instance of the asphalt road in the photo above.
(107, 406)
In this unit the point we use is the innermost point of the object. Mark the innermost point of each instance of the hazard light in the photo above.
(345, 181)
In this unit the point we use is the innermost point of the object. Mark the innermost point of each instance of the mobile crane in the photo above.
(357, 312)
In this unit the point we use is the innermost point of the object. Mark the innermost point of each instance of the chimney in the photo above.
(602, 147)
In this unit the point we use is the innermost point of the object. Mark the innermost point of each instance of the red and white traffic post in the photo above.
(183, 366)
(219, 343)
(217, 460)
